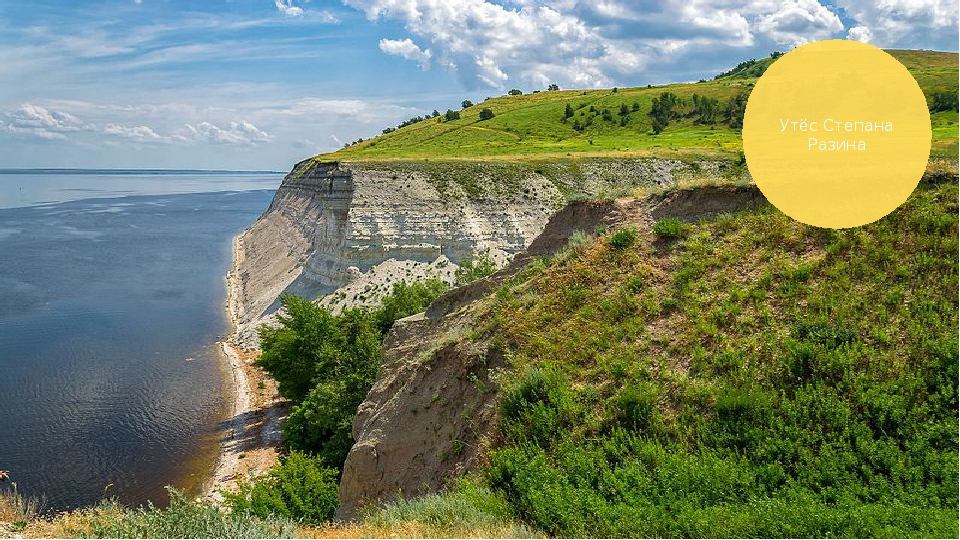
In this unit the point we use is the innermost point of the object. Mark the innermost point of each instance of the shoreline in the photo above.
(252, 433)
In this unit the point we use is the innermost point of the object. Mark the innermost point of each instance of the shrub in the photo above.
(624, 238)
(326, 363)
(469, 510)
(466, 103)
(471, 270)
(515, 92)
(452, 115)
(578, 240)
(300, 487)
(486, 114)
(182, 518)
(670, 228)
(537, 406)
(943, 101)
(407, 299)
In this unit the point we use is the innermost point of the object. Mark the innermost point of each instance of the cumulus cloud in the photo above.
(406, 48)
(287, 8)
(591, 43)
(137, 133)
(240, 133)
(799, 22)
(45, 123)
(904, 23)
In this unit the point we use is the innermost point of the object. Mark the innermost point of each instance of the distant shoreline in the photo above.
(59, 170)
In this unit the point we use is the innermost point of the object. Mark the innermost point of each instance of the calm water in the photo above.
(110, 380)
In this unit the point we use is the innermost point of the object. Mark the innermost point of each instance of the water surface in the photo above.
(110, 380)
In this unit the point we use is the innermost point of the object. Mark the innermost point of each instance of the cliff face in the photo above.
(344, 233)
(430, 415)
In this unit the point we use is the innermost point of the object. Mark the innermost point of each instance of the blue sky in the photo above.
(266, 83)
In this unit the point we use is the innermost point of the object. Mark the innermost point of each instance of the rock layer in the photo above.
(347, 232)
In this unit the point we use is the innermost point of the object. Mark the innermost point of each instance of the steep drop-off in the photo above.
(343, 233)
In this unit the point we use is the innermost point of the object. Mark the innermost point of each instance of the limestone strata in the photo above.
(345, 233)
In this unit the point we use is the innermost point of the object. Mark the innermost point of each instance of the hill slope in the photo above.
(740, 376)
(533, 127)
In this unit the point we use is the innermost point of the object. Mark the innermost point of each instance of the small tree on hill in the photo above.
(435, 113)
(568, 113)
(486, 114)
(553, 87)
(466, 103)
(452, 115)
(515, 92)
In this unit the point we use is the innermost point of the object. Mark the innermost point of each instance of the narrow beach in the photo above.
(252, 435)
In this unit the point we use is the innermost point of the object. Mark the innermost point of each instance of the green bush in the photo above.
(182, 518)
(624, 238)
(670, 228)
(471, 270)
(300, 487)
(537, 406)
(407, 299)
(325, 363)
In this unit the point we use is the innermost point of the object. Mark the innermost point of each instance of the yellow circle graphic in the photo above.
(836, 134)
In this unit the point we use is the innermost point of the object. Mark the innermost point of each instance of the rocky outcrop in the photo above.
(430, 415)
(344, 233)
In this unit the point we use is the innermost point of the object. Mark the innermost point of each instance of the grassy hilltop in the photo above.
(532, 126)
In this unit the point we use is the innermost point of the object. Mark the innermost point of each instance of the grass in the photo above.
(529, 127)
(468, 511)
(182, 518)
(751, 377)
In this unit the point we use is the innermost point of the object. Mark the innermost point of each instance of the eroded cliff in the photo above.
(344, 233)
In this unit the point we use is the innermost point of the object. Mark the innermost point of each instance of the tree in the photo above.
(624, 110)
(734, 109)
(466, 103)
(553, 87)
(568, 113)
(452, 115)
(706, 108)
(658, 125)
(325, 363)
(943, 101)
(435, 113)
(486, 114)
(636, 106)
(515, 92)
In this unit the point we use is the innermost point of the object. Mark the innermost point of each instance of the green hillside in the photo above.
(533, 126)
(744, 376)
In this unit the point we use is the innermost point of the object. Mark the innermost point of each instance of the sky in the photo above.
(263, 84)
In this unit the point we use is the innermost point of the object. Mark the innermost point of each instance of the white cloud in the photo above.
(904, 23)
(137, 133)
(242, 133)
(287, 8)
(406, 48)
(799, 22)
(590, 43)
(45, 123)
